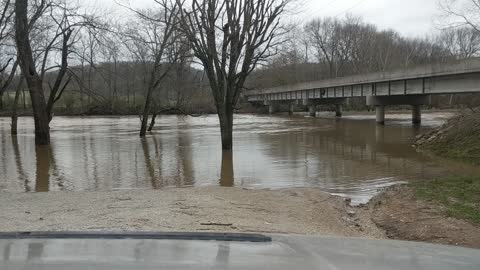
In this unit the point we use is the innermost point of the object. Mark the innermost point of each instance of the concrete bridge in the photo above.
(412, 86)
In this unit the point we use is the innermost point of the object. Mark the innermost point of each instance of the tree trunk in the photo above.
(34, 81)
(40, 115)
(152, 123)
(146, 113)
(225, 116)
(14, 109)
(146, 108)
(1, 101)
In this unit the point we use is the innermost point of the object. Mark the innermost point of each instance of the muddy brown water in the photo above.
(350, 157)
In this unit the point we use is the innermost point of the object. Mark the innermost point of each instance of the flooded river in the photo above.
(349, 157)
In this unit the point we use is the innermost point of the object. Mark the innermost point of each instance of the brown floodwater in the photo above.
(350, 157)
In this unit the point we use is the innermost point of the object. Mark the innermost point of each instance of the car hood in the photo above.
(283, 252)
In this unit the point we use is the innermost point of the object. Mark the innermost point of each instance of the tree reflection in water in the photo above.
(226, 173)
(44, 156)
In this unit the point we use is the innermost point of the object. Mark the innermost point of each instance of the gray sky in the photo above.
(414, 18)
(409, 17)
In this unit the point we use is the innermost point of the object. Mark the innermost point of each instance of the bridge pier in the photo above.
(416, 114)
(416, 101)
(338, 110)
(272, 108)
(380, 111)
(291, 107)
(312, 109)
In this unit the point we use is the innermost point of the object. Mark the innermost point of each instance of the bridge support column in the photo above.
(290, 109)
(380, 110)
(338, 110)
(416, 101)
(271, 109)
(416, 114)
(312, 110)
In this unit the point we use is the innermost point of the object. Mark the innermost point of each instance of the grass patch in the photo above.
(465, 148)
(460, 196)
(459, 139)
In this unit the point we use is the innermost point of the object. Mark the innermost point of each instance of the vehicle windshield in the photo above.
(350, 119)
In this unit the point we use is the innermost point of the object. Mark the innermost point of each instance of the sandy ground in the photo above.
(395, 214)
(298, 211)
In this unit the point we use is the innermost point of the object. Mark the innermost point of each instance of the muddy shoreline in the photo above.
(402, 216)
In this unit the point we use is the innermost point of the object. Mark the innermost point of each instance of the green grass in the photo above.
(464, 148)
(460, 196)
(461, 141)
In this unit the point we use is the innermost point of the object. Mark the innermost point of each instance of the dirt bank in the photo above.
(405, 217)
(458, 139)
(300, 211)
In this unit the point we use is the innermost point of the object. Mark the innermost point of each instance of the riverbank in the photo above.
(432, 211)
(458, 139)
(297, 211)
(443, 210)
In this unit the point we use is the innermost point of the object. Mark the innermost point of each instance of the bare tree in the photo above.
(8, 63)
(459, 13)
(153, 40)
(462, 42)
(55, 26)
(324, 36)
(27, 64)
(230, 38)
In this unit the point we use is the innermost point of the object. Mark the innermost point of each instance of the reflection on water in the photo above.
(349, 157)
(226, 173)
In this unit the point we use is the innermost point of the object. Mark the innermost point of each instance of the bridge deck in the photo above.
(457, 77)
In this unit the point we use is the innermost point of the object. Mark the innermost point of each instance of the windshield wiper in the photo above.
(229, 237)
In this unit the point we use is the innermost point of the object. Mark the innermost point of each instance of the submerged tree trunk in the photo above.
(225, 115)
(152, 122)
(14, 108)
(146, 113)
(40, 115)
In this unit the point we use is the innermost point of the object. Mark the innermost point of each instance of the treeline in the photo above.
(119, 89)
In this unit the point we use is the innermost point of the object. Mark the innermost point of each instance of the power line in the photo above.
(329, 4)
(321, 8)
(352, 7)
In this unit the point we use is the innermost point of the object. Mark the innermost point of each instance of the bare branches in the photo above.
(231, 38)
(463, 42)
(460, 13)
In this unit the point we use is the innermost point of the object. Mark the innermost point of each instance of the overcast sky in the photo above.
(413, 18)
